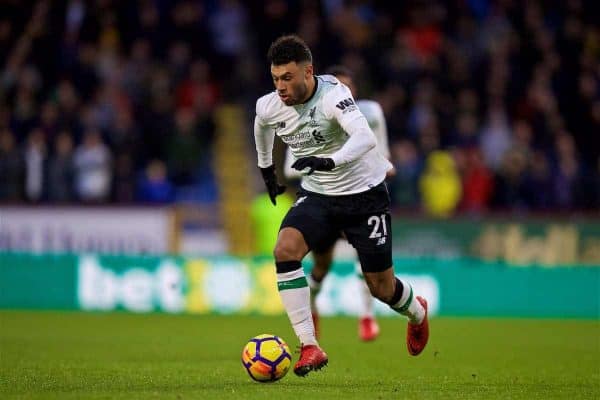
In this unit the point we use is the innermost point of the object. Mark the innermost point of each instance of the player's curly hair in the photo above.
(289, 48)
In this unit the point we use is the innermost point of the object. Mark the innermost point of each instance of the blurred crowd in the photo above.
(490, 104)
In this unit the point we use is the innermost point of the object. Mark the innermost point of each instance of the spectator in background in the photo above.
(477, 182)
(35, 153)
(12, 168)
(154, 186)
(538, 183)
(466, 134)
(60, 169)
(229, 35)
(68, 105)
(93, 168)
(197, 89)
(405, 158)
(495, 137)
(435, 67)
(440, 185)
(567, 183)
(509, 181)
(49, 123)
(123, 182)
(125, 137)
(184, 148)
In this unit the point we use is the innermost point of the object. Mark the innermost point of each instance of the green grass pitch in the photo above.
(69, 355)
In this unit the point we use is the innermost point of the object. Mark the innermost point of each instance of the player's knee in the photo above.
(290, 245)
(287, 250)
(284, 251)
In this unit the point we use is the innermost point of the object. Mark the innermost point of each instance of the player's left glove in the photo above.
(314, 164)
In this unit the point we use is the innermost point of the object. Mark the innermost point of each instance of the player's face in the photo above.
(291, 81)
(346, 80)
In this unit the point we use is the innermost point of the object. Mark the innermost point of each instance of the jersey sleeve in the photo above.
(264, 138)
(288, 171)
(380, 131)
(340, 105)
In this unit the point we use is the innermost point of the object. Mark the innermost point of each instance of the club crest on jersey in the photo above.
(346, 105)
(311, 115)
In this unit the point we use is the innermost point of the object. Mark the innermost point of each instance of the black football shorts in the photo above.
(364, 218)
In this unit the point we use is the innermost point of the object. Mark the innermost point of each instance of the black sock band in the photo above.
(287, 266)
(397, 293)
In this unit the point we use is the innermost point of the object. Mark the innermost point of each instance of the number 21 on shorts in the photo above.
(379, 226)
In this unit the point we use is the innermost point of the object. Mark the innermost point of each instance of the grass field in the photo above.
(53, 355)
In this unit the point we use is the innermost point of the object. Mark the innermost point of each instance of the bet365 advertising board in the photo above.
(231, 285)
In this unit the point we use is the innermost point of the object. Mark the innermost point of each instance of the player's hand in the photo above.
(274, 188)
(314, 164)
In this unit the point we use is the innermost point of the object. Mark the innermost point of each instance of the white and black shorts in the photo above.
(364, 218)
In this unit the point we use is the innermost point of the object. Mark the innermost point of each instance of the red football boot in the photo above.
(417, 335)
(312, 358)
(368, 329)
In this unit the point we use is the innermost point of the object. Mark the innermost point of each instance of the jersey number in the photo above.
(376, 222)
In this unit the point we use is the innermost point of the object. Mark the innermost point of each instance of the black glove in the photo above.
(270, 179)
(314, 163)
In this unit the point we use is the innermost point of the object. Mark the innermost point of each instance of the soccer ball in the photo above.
(266, 358)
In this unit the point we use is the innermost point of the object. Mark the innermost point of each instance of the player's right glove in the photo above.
(314, 164)
(274, 188)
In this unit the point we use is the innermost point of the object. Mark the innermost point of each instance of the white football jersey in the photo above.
(314, 129)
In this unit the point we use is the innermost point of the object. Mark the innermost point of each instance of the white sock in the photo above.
(295, 296)
(408, 305)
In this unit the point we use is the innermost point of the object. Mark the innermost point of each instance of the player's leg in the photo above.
(302, 229)
(371, 236)
(321, 264)
(368, 329)
(290, 249)
(399, 295)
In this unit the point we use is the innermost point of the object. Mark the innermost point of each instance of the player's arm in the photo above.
(288, 171)
(381, 133)
(361, 140)
(264, 138)
(340, 105)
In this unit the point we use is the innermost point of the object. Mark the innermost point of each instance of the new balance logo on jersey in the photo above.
(381, 241)
(345, 103)
(278, 126)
